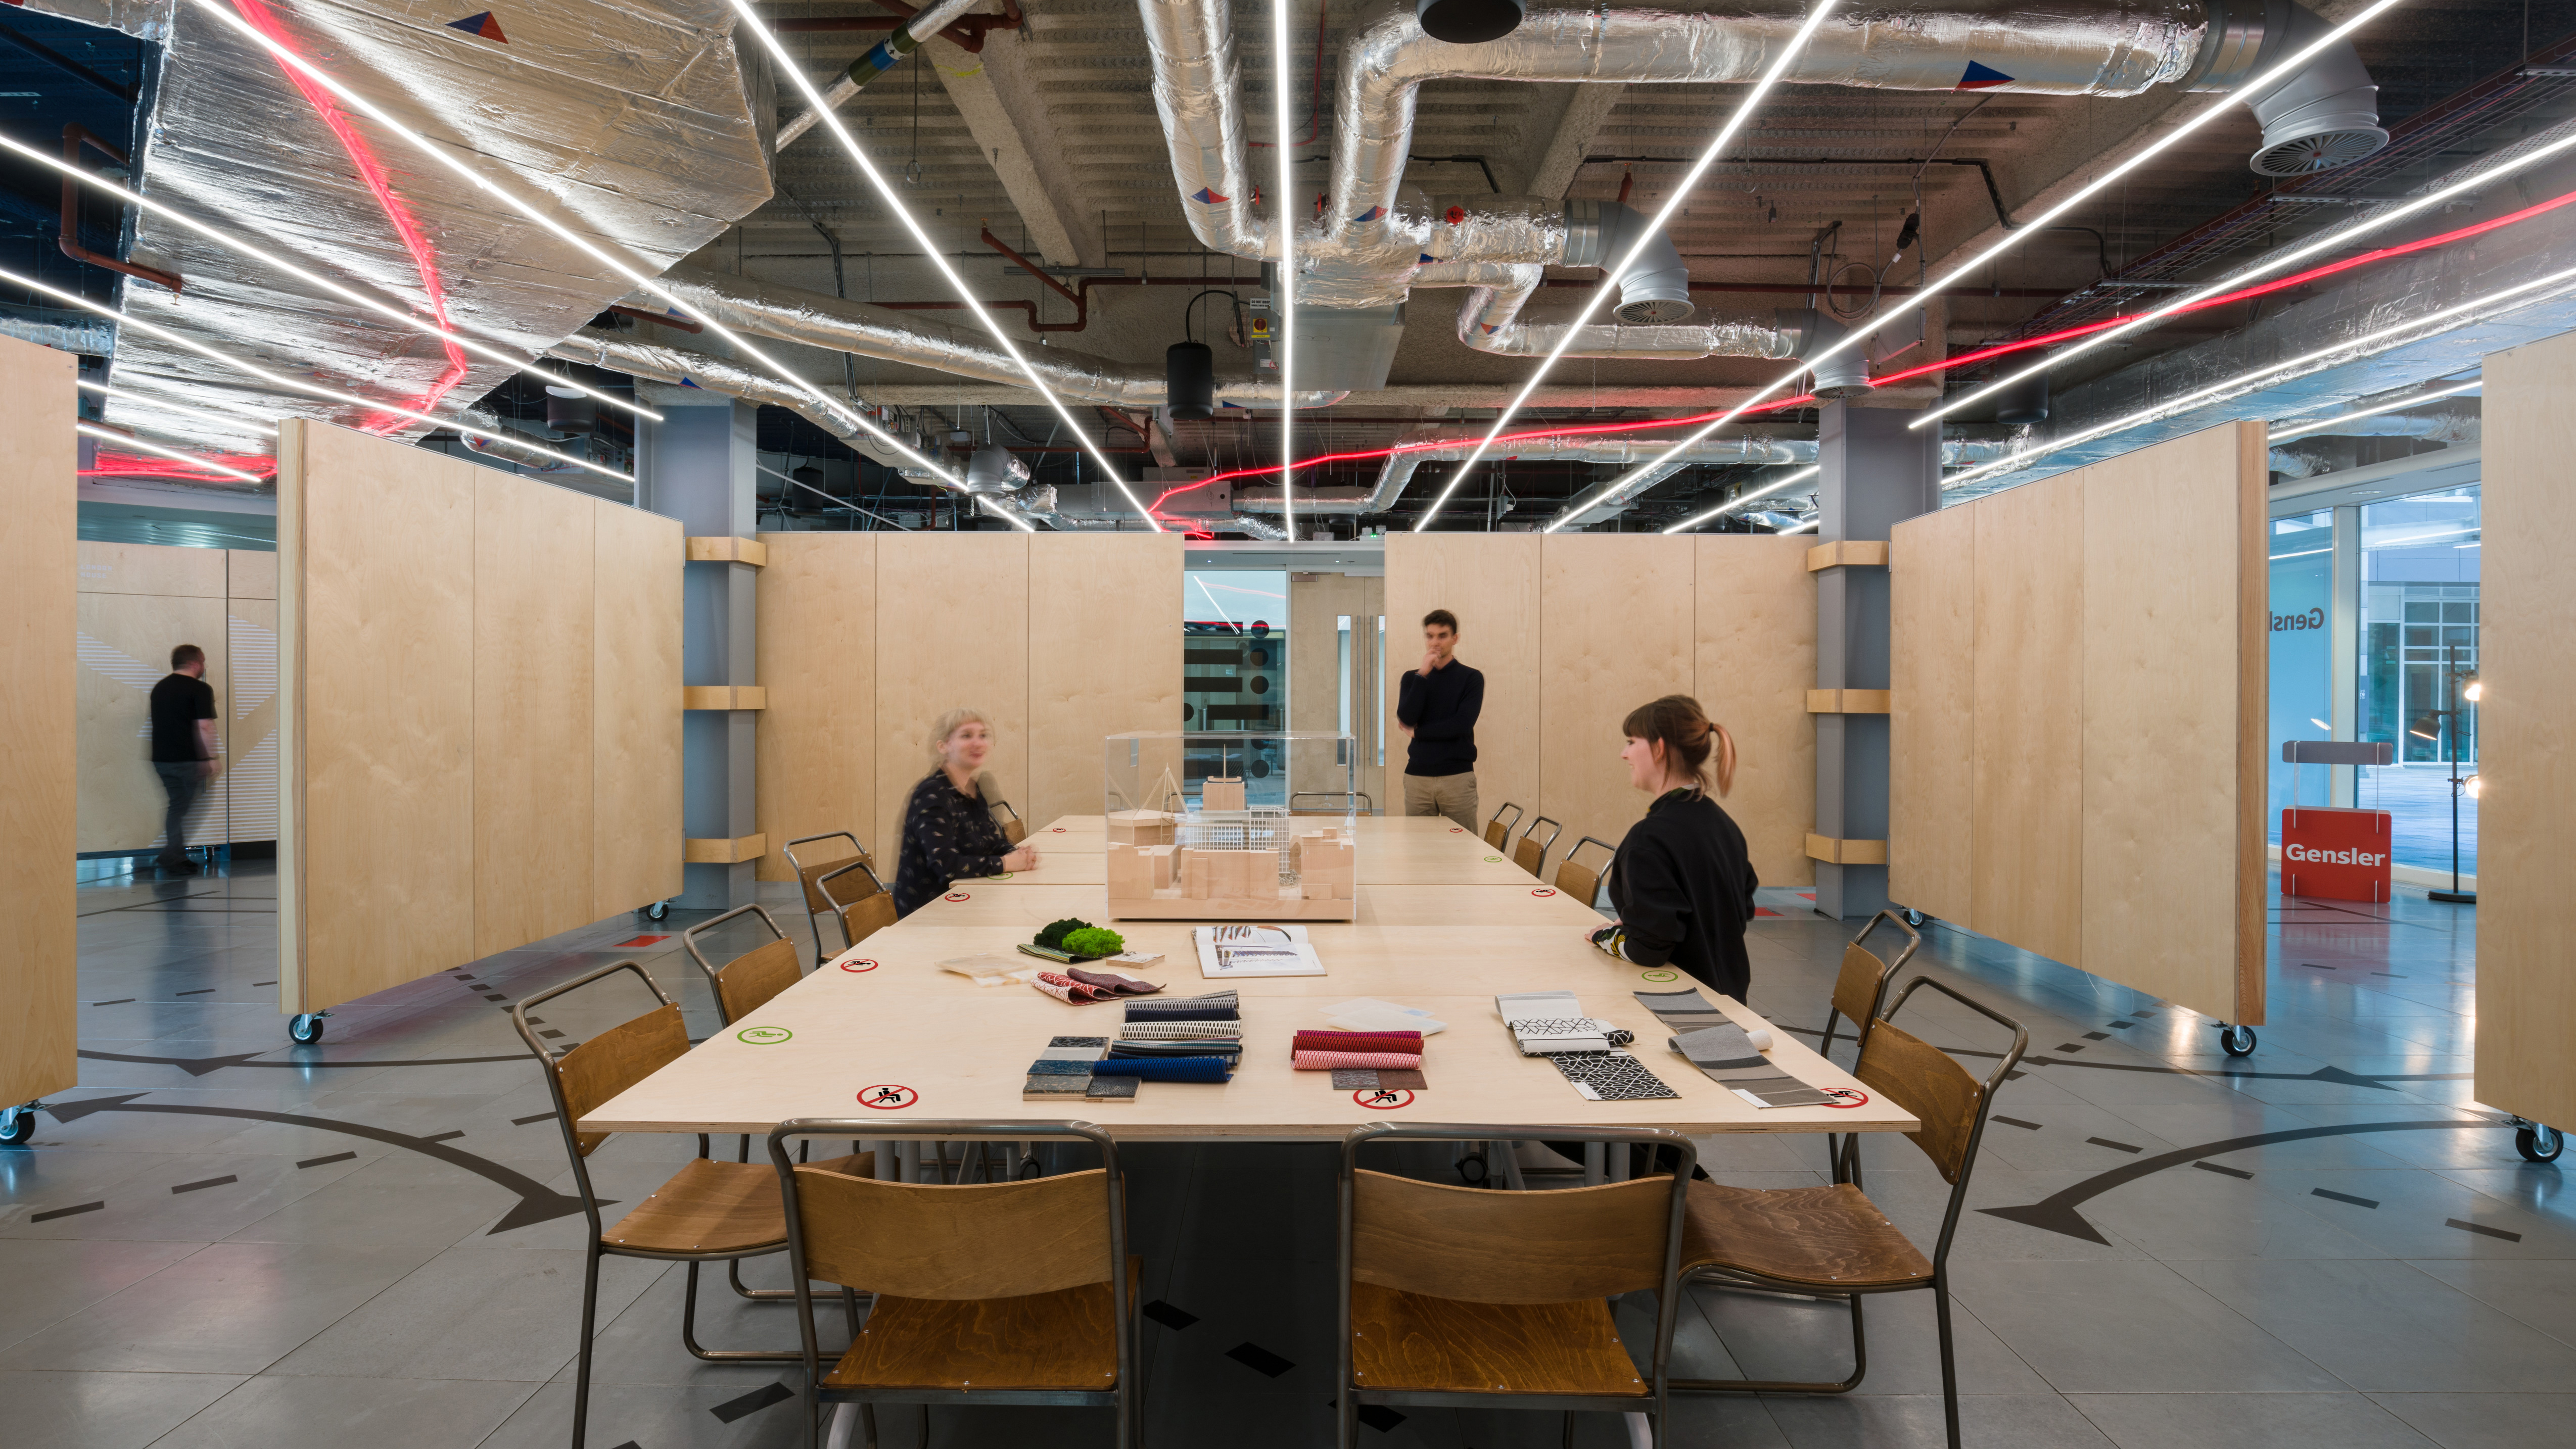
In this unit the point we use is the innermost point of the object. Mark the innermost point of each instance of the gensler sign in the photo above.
(2336, 855)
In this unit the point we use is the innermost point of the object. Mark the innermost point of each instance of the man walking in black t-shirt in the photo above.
(183, 748)
(1436, 707)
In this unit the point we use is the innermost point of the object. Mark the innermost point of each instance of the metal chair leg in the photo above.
(1860, 1353)
(1949, 1366)
(581, 1374)
(689, 1334)
(1568, 1417)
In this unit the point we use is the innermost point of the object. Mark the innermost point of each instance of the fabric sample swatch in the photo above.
(1354, 1079)
(1045, 1068)
(1357, 1041)
(1712, 1042)
(1073, 1054)
(1112, 981)
(1077, 1041)
(1326, 1061)
(1111, 1089)
(1178, 1030)
(1168, 1069)
(1403, 1080)
(1065, 988)
(1217, 1048)
(1168, 1005)
(1610, 1077)
(1058, 1088)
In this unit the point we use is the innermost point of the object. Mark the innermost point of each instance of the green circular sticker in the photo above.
(763, 1035)
(1495, 859)
(1005, 875)
(1659, 976)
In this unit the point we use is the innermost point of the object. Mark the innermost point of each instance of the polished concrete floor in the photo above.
(220, 1239)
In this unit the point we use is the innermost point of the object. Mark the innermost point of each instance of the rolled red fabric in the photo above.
(1312, 1061)
(1358, 1041)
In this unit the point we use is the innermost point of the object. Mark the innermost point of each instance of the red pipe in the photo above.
(75, 137)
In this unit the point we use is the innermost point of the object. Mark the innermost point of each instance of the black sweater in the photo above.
(946, 837)
(1441, 711)
(1683, 888)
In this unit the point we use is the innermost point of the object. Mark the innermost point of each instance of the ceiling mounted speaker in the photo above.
(1468, 22)
(1189, 381)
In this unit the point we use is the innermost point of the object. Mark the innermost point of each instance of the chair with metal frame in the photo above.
(1497, 834)
(1018, 1292)
(1832, 1241)
(1461, 1297)
(809, 876)
(1529, 853)
(1583, 882)
(707, 1212)
(1014, 829)
(861, 915)
(1858, 989)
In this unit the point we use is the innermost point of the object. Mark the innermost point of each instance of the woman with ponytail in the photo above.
(1681, 882)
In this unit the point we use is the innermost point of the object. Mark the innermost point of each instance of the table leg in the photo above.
(1595, 1154)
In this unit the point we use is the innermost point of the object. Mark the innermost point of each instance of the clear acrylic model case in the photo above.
(1232, 826)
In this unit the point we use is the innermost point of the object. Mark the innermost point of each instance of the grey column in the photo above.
(2343, 645)
(697, 466)
(1874, 474)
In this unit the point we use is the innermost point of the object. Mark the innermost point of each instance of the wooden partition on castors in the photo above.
(2526, 999)
(39, 526)
(867, 638)
(480, 712)
(2078, 718)
(1573, 630)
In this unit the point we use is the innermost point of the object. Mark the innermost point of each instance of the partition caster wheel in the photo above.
(2535, 1142)
(1482, 1173)
(1915, 918)
(18, 1125)
(2236, 1041)
(306, 1029)
(658, 911)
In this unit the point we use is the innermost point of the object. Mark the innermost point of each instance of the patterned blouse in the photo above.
(946, 837)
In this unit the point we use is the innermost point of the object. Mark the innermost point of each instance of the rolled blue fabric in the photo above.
(1165, 1069)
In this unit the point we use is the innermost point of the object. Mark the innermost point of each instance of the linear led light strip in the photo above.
(110, 435)
(1765, 491)
(1955, 275)
(831, 120)
(2296, 430)
(1673, 199)
(297, 384)
(1284, 220)
(562, 233)
(148, 400)
(313, 279)
(2361, 346)
(2334, 239)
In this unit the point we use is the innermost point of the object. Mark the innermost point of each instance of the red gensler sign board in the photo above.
(2336, 855)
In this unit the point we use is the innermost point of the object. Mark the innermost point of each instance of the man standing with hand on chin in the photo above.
(1436, 707)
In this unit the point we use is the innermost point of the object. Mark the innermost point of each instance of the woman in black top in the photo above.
(948, 829)
(1681, 882)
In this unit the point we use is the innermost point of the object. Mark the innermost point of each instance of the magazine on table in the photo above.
(1231, 951)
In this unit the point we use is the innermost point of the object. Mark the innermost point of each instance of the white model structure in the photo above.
(1226, 859)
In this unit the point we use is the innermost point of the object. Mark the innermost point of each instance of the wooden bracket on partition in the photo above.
(1847, 701)
(726, 852)
(724, 696)
(1846, 852)
(727, 549)
(1849, 553)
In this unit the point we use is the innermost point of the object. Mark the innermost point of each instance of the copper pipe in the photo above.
(76, 136)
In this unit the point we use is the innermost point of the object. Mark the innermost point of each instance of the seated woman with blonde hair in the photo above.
(1682, 882)
(948, 829)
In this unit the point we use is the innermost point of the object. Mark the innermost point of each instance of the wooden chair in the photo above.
(746, 983)
(810, 874)
(1530, 854)
(868, 910)
(1460, 1297)
(1014, 829)
(708, 1212)
(1859, 988)
(1832, 1241)
(990, 1293)
(1498, 834)
(1583, 882)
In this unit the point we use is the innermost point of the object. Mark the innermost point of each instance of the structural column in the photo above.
(698, 466)
(1874, 474)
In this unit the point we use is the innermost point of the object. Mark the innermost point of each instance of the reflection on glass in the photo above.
(1234, 649)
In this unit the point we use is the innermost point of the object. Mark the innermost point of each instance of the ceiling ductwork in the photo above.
(2325, 116)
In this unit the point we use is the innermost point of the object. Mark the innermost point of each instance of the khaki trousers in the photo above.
(1450, 795)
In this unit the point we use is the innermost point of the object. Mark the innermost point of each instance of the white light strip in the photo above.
(2357, 347)
(313, 279)
(1765, 491)
(1673, 199)
(1284, 220)
(110, 435)
(297, 384)
(148, 400)
(2282, 434)
(2023, 230)
(564, 234)
(2333, 239)
(1806, 527)
(790, 67)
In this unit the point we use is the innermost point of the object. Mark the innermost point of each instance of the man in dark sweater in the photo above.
(1436, 707)
(183, 748)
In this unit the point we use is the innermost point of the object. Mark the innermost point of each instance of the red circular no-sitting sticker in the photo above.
(957, 896)
(1383, 1099)
(1457, 829)
(1057, 829)
(888, 1096)
(861, 963)
(1544, 891)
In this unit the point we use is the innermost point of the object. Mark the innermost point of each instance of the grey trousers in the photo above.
(183, 780)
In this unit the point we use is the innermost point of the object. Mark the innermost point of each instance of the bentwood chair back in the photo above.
(828, 860)
(1014, 829)
(707, 1212)
(1015, 1292)
(1466, 1298)
(1831, 1241)
(1498, 832)
(1859, 987)
(1530, 853)
(1583, 882)
(747, 982)
(859, 901)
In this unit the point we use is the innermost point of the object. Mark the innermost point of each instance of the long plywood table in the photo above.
(1400, 850)
(885, 1014)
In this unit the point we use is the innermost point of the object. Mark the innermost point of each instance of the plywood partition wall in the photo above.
(450, 664)
(2526, 973)
(2078, 707)
(39, 464)
(1104, 657)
